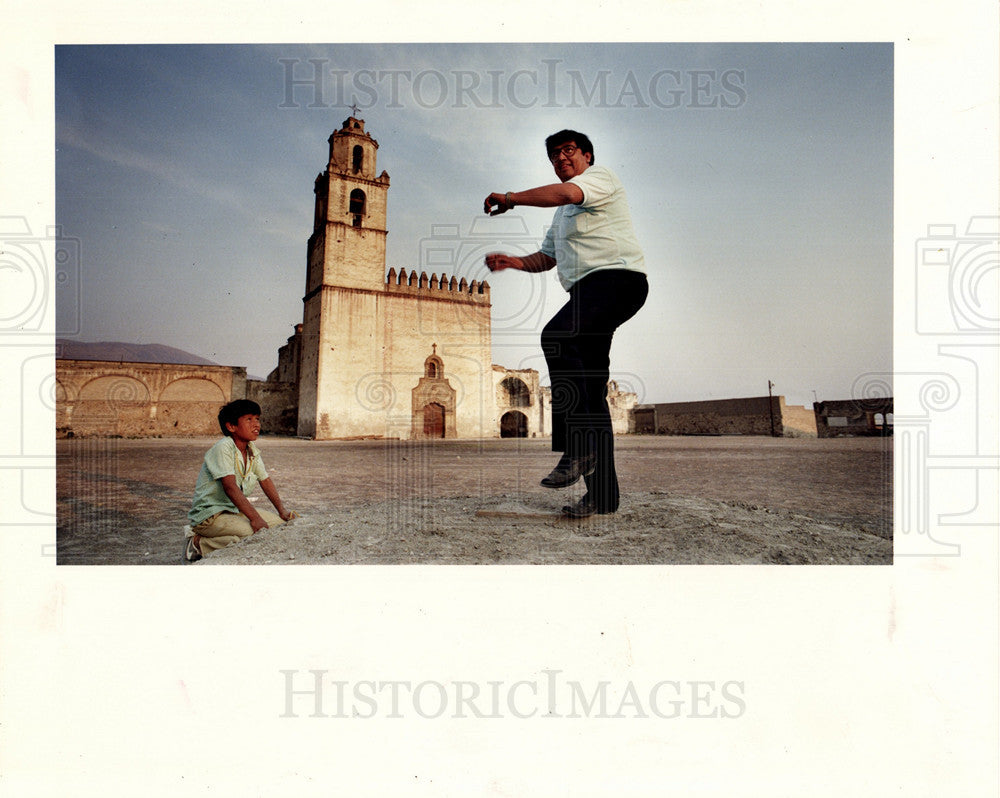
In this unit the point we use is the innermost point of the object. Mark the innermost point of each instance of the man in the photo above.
(593, 248)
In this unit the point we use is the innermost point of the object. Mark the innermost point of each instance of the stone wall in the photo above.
(142, 400)
(761, 415)
(797, 420)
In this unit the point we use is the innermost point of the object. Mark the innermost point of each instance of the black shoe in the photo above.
(584, 509)
(569, 470)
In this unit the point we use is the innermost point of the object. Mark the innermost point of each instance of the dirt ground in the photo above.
(728, 499)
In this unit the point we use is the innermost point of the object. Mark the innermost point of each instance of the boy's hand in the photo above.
(258, 523)
(288, 516)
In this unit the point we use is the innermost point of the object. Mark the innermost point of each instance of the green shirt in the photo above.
(222, 460)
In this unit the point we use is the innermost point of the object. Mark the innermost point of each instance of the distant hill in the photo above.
(116, 351)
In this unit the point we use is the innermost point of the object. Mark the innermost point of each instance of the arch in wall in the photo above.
(192, 389)
(513, 424)
(514, 393)
(64, 392)
(357, 158)
(112, 404)
(189, 406)
(114, 389)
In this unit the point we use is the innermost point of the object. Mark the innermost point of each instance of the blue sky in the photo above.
(759, 176)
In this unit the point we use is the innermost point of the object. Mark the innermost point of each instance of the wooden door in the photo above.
(433, 420)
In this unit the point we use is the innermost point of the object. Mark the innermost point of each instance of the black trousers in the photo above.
(577, 345)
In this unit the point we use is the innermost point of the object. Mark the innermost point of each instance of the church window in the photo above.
(357, 158)
(433, 368)
(357, 207)
(319, 216)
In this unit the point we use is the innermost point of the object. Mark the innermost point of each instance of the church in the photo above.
(385, 353)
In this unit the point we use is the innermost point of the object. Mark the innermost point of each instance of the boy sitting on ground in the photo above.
(221, 514)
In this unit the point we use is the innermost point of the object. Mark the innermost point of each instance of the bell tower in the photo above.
(347, 245)
(345, 276)
(365, 333)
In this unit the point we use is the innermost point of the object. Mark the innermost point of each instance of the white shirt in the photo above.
(595, 235)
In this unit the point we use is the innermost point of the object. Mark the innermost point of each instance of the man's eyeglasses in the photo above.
(566, 149)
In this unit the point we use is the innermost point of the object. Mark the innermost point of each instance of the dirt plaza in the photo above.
(685, 500)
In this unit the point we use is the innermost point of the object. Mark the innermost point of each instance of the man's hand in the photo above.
(536, 262)
(496, 261)
(498, 201)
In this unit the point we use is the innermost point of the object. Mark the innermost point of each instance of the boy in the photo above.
(220, 512)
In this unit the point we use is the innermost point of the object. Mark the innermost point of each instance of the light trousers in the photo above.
(224, 529)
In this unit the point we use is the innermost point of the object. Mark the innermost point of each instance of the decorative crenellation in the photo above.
(441, 287)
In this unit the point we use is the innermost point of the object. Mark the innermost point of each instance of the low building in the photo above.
(854, 417)
(142, 400)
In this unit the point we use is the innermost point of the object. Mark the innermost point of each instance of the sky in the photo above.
(759, 178)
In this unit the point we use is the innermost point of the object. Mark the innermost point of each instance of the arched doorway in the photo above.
(513, 424)
(433, 420)
(433, 402)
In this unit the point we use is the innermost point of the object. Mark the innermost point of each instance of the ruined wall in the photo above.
(545, 410)
(750, 416)
(289, 356)
(141, 400)
(519, 397)
(621, 404)
(536, 404)
(278, 405)
(854, 417)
